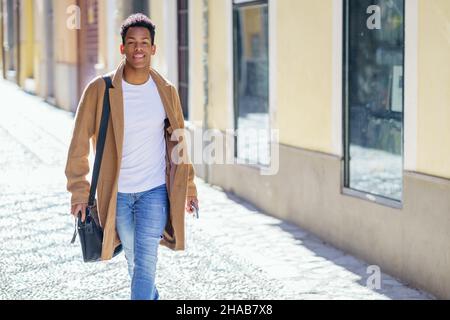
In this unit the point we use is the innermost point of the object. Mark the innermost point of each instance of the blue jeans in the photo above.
(140, 222)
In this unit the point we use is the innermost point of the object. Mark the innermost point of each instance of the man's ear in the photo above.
(122, 49)
(153, 50)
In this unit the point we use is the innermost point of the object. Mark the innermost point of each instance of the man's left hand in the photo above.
(189, 204)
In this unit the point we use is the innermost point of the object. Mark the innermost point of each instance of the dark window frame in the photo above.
(183, 55)
(140, 6)
(245, 3)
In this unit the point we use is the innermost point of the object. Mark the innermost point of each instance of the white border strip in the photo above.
(411, 84)
(191, 39)
(273, 75)
(171, 40)
(229, 12)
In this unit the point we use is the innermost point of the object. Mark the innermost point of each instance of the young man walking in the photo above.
(142, 191)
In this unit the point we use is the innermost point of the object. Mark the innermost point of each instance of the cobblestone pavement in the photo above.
(233, 251)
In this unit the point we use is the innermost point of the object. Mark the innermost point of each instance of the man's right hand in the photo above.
(76, 208)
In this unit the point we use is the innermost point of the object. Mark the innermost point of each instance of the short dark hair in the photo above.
(138, 20)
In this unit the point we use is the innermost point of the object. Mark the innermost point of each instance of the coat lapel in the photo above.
(166, 97)
(117, 107)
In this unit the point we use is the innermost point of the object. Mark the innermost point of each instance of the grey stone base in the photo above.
(411, 242)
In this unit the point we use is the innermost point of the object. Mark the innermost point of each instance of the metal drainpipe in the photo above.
(205, 57)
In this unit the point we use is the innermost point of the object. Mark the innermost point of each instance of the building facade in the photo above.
(64, 42)
(359, 91)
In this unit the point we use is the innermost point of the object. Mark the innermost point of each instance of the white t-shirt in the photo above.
(144, 149)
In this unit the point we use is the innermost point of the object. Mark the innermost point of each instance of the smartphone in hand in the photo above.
(195, 209)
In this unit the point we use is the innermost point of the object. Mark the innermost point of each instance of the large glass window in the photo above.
(373, 96)
(251, 80)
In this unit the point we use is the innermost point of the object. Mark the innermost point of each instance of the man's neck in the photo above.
(135, 76)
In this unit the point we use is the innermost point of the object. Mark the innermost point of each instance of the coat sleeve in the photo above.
(191, 187)
(77, 166)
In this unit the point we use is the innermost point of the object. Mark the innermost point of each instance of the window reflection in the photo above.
(251, 81)
(374, 96)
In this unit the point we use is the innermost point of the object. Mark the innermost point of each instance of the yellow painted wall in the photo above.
(65, 39)
(109, 30)
(27, 41)
(38, 46)
(102, 36)
(196, 68)
(220, 71)
(303, 74)
(157, 16)
(433, 130)
(304, 71)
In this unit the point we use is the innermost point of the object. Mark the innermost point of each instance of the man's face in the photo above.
(138, 47)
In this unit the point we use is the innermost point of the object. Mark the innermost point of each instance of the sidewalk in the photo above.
(233, 251)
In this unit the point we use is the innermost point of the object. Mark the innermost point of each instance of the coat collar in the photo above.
(117, 108)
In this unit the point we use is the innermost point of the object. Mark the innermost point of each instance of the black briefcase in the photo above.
(91, 235)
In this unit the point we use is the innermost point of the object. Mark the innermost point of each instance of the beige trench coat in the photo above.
(179, 177)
